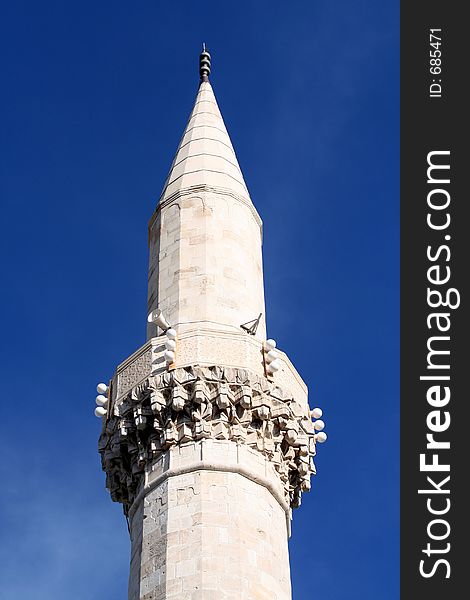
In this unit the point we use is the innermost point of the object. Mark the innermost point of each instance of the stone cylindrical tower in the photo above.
(207, 440)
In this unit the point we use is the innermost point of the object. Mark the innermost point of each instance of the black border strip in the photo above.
(434, 130)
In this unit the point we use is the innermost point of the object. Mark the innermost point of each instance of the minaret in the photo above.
(207, 436)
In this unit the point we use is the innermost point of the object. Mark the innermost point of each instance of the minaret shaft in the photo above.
(211, 533)
(205, 263)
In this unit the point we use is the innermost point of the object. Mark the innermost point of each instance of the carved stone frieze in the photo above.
(195, 403)
(134, 371)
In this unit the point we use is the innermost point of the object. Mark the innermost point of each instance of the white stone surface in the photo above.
(205, 153)
(205, 236)
(206, 264)
(209, 534)
(209, 347)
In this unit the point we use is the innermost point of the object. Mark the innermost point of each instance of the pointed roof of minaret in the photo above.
(205, 158)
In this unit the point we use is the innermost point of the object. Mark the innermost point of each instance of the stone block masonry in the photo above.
(208, 533)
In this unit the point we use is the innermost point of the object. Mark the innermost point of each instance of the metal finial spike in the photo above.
(204, 64)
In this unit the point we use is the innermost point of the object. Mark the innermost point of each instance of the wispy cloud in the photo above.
(59, 539)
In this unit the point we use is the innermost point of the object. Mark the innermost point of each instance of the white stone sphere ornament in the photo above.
(169, 356)
(170, 345)
(171, 333)
(316, 413)
(100, 411)
(274, 366)
(269, 345)
(102, 388)
(271, 355)
(319, 425)
(101, 400)
(321, 437)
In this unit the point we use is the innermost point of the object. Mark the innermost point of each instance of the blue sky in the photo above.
(95, 97)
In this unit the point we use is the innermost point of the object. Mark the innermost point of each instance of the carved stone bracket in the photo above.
(193, 403)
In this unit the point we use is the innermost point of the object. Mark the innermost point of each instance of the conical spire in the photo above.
(205, 158)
